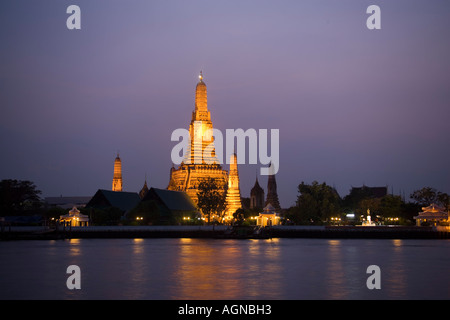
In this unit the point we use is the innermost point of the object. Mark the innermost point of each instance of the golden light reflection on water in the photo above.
(220, 269)
(245, 269)
(335, 271)
(136, 270)
(74, 248)
(226, 269)
(138, 246)
(138, 261)
(395, 275)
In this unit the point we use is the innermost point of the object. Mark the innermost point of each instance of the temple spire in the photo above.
(201, 96)
(272, 195)
(117, 178)
(233, 197)
(200, 160)
(144, 189)
(256, 196)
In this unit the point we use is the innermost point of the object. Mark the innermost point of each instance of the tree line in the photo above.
(318, 203)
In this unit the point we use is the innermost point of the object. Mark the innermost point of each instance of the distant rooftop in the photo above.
(67, 202)
(377, 192)
(173, 200)
(123, 200)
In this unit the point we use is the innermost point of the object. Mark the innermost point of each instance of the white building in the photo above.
(75, 218)
(269, 217)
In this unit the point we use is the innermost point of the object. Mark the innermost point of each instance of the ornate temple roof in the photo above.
(75, 214)
(433, 211)
(433, 208)
(269, 208)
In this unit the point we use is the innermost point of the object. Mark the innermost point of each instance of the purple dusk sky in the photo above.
(354, 106)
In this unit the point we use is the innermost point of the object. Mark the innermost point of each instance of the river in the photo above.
(282, 269)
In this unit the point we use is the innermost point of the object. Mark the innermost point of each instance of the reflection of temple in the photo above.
(74, 218)
(204, 269)
(198, 164)
(432, 215)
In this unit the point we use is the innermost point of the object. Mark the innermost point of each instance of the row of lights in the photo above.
(228, 218)
(362, 216)
(53, 219)
(392, 219)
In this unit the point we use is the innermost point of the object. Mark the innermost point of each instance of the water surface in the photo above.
(225, 269)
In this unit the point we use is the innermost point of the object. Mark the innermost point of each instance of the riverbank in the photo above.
(221, 232)
(359, 232)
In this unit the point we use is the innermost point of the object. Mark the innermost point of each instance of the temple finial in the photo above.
(201, 76)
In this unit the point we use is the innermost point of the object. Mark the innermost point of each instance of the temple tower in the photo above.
(117, 179)
(272, 195)
(233, 199)
(144, 189)
(201, 150)
(200, 160)
(257, 196)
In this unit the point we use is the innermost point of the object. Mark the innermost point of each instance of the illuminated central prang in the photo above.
(200, 161)
(201, 124)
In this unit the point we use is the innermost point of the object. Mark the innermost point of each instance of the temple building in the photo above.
(432, 215)
(74, 218)
(269, 217)
(233, 198)
(256, 196)
(198, 164)
(117, 178)
(272, 195)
